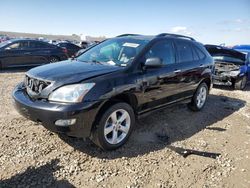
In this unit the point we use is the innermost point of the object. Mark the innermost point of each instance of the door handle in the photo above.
(177, 71)
(27, 53)
(201, 65)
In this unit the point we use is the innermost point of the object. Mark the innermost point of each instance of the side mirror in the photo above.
(153, 62)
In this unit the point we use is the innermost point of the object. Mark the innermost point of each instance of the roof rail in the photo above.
(175, 35)
(127, 35)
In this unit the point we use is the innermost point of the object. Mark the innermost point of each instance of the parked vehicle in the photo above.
(242, 48)
(81, 51)
(84, 44)
(4, 38)
(231, 67)
(71, 49)
(101, 93)
(53, 42)
(28, 52)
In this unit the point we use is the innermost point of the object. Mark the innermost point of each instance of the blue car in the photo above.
(232, 68)
(242, 48)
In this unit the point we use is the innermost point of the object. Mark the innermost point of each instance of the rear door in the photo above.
(190, 62)
(39, 52)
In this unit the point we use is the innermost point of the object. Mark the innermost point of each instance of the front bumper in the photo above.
(222, 80)
(48, 113)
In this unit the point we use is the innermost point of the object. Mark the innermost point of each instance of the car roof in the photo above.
(25, 39)
(159, 36)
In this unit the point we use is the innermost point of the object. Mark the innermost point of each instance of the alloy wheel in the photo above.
(201, 97)
(117, 126)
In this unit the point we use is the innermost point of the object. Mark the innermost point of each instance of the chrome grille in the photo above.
(34, 85)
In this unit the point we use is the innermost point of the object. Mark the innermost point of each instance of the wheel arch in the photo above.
(124, 97)
(208, 81)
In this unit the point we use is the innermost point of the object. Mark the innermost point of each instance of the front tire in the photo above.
(114, 127)
(241, 83)
(200, 97)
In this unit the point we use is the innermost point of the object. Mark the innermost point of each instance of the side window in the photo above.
(200, 54)
(195, 53)
(63, 45)
(18, 45)
(38, 45)
(184, 51)
(72, 46)
(14, 46)
(33, 45)
(163, 50)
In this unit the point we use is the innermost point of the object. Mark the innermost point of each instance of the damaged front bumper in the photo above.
(227, 78)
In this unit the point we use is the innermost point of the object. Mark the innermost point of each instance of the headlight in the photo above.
(71, 93)
(234, 73)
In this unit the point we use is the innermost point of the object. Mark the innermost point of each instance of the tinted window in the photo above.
(34, 44)
(73, 46)
(64, 45)
(163, 50)
(197, 51)
(184, 51)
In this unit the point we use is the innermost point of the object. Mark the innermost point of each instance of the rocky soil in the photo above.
(171, 148)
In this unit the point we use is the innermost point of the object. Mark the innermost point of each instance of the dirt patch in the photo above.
(171, 148)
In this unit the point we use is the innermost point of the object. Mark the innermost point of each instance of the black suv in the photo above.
(101, 93)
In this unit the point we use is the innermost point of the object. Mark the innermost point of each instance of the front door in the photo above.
(15, 54)
(160, 85)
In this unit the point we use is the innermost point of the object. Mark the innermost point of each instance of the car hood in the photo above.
(219, 50)
(70, 71)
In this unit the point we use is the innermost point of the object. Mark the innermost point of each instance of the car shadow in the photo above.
(173, 124)
(37, 177)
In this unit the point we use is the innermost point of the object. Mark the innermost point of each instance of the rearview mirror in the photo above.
(153, 62)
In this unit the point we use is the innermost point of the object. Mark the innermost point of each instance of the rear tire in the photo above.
(241, 83)
(53, 59)
(199, 98)
(114, 127)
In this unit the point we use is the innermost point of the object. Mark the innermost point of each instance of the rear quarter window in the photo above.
(198, 54)
(184, 51)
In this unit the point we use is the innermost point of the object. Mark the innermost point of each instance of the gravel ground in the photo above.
(171, 148)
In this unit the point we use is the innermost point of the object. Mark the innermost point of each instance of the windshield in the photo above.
(116, 52)
(228, 59)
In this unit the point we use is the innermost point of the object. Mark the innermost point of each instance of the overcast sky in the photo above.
(209, 21)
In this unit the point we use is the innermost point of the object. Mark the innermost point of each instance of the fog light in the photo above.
(65, 122)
